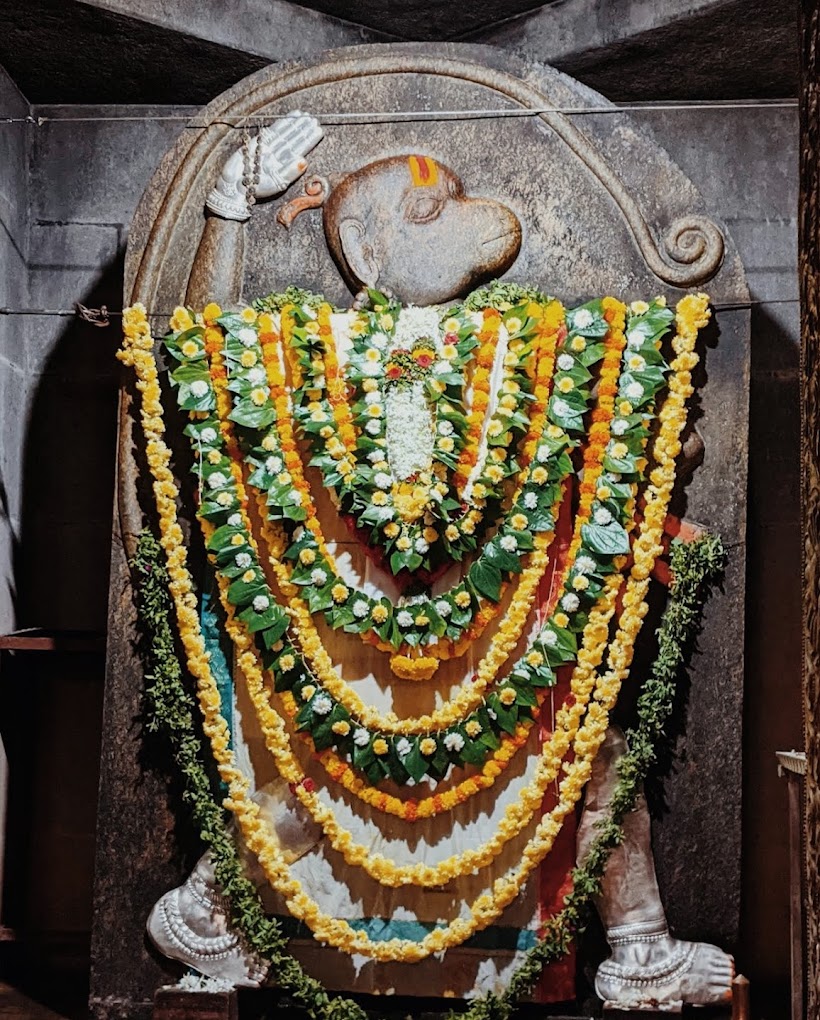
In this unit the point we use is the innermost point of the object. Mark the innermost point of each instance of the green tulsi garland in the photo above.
(696, 567)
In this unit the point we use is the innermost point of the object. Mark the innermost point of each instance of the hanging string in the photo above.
(401, 116)
(102, 316)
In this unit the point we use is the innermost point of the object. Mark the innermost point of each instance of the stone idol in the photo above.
(447, 402)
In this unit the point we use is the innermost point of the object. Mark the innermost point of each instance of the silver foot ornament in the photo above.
(648, 969)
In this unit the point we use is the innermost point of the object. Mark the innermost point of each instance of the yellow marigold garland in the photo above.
(485, 357)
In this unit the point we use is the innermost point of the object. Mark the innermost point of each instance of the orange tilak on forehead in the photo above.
(423, 171)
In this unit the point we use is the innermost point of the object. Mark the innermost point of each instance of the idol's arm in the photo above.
(273, 159)
(219, 264)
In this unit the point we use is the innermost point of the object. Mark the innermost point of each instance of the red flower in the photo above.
(308, 784)
(424, 360)
(451, 338)
(393, 371)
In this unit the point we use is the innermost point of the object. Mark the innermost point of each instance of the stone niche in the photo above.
(604, 210)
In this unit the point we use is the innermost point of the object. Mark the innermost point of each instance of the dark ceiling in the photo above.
(438, 20)
(63, 51)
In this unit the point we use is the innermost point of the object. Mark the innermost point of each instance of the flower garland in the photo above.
(692, 313)
(365, 484)
(370, 744)
(696, 568)
(445, 619)
(488, 341)
(517, 815)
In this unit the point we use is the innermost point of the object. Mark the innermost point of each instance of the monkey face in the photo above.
(405, 224)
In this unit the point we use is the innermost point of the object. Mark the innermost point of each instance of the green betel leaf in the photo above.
(563, 647)
(506, 718)
(606, 539)
(256, 621)
(415, 763)
(485, 577)
(242, 593)
(474, 752)
(248, 414)
(505, 561)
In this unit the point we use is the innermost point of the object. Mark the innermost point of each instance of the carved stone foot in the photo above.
(648, 969)
(191, 924)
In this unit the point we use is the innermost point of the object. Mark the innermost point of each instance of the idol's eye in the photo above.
(422, 208)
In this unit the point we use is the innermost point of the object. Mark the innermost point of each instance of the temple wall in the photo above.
(86, 180)
(14, 203)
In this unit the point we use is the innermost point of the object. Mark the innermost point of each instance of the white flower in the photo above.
(217, 480)
(374, 397)
(379, 340)
(445, 428)
(360, 609)
(561, 407)
(542, 454)
(549, 637)
(636, 363)
(199, 388)
(602, 515)
(361, 738)
(373, 427)
(321, 704)
(243, 560)
(634, 390)
(247, 336)
(585, 565)
(509, 543)
(530, 500)
(409, 429)
(454, 742)
(208, 436)
(443, 608)
(256, 376)
(382, 480)
(371, 368)
(614, 476)
(318, 577)
(421, 545)
(634, 338)
(619, 426)
(583, 318)
(403, 747)
(261, 603)
(565, 362)
(235, 520)
(273, 465)
(441, 368)
(404, 619)
(375, 455)
(414, 323)
(570, 602)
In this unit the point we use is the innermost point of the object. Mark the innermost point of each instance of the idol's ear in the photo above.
(358, 252)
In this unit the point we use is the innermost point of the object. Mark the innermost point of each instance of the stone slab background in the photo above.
(85, 181)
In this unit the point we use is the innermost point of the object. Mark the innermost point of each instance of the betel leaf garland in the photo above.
(696, 568)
